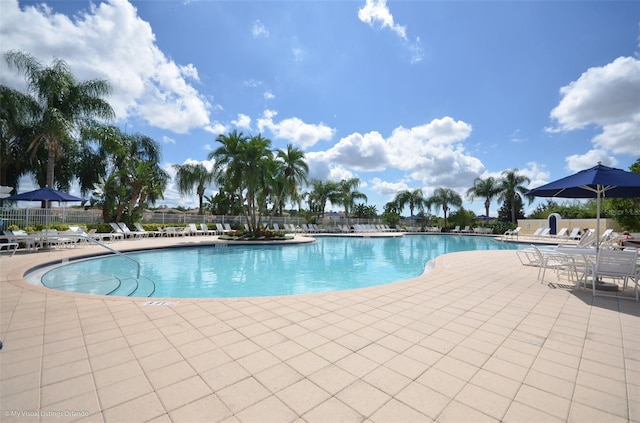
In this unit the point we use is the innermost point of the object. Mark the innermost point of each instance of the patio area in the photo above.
(478, 339)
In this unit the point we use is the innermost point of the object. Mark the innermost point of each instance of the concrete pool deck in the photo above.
(476, 339)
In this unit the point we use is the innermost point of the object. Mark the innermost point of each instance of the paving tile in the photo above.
(484, 400)
(333, 410)
(602, 401)
(333, 379)
(363, 397)
(423, 399)
(65, 371)
(110, 359)
(125, 391)
(581, 413)
(356, 364)
(144, 408)
(307, 363)
(79, 407)
(224, 375)
(269, 410)
(396, 411)
(243, 394)
(278, 377)
(387, 380)
(68, 388)
(303, 396)
(170, 374)
(544, 401)
(205, 410)
(457, 412)
(550, 383)
(183, 392)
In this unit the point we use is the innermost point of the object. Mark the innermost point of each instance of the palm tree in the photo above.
(188, 175)
(227, 167)
(294, 171)
(320, 194)
(487, 188)
(414, 198)
(443, 197)
(245, 165)
(65, 105)
(347, 194)
(17, 112)
(510, 188)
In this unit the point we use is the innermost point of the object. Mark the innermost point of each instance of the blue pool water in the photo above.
(330, 264)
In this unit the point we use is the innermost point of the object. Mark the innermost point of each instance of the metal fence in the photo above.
(33, 217)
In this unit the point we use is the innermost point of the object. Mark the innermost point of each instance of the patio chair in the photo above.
(617, 265)
(551, 259)
(456, 229)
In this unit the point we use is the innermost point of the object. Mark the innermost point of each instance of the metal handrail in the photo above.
(95, 241)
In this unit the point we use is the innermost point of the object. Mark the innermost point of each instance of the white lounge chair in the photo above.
(194, 229)
(205, 229)
(574, 234)
(456, 229)
(140, 228)
(512, 232)
(135, 234)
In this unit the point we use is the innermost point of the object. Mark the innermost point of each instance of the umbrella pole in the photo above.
(598, 200)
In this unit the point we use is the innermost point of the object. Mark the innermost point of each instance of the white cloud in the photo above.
(591, 158)
(190, 71)
(168, 140)
(377, 12)
(243, 121)
(258, 30)
(605, 97)
(268, 95)
(433, 154)
(362, 152)
(388, 188)
(97, 43)
(294, 129)
(216, 128)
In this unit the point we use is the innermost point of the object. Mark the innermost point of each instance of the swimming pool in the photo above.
(329, 264)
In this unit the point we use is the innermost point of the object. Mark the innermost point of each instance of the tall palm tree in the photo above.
(320, 193)
(188, 175)
(245, 165)
(414, 198)
(227, 166)
(510, 188)
(443, 197)
(347, 194)
(17, 113)
(293, 171)
(65, 105)
(486, 188)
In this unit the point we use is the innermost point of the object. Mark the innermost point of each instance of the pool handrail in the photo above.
(95, 241)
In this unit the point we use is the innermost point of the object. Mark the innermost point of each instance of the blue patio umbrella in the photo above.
(44, 194)
(597, 182)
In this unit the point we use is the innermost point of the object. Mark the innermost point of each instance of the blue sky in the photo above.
(401, 94)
